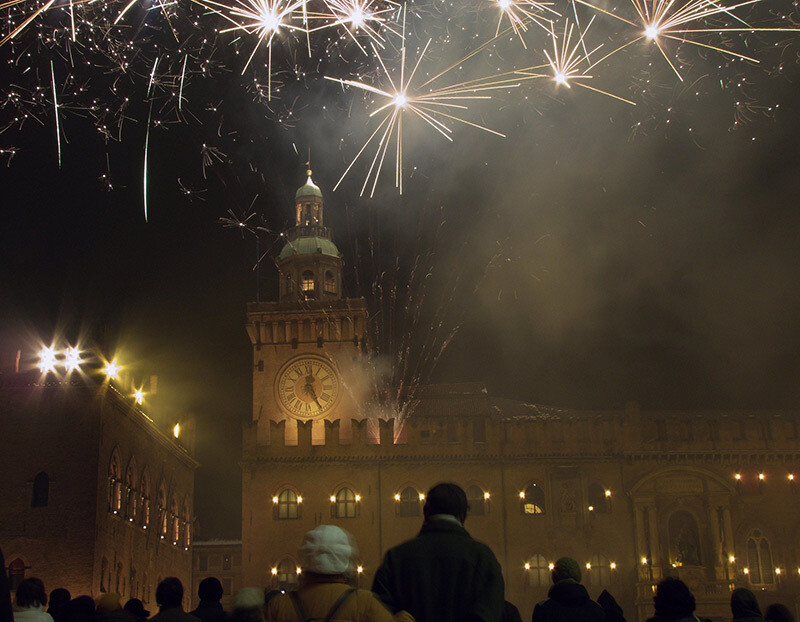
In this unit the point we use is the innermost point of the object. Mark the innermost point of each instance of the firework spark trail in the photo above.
(357, 16)
(183, 76)
(55, 110)
(522, 12)
(146, 154)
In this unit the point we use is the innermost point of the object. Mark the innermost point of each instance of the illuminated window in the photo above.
(533, 500)
(537, 571)
(599, 570)
(175, 521)
(330, 282)
(287, 574)
(307, 283)
(287, 506)
(131, 494)
(476, 500)
(41, 490)
(597, 498)
(16, 573)
(145, 491)
(187, 525)
(409, 502)
(162, 511)
(114, 484)
(345, 503)
(759, 560)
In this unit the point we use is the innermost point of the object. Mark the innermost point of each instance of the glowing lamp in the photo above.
(613, 565)
(138, 396)
(333, 499)
(47, 360)
(527, 566)
(761, 476)
(790, 477)
(111, 370)
(274, 571)
(422, 496)
(644, 561)
(732, 559)
(358, 498)
(551, 565)
(72, 359)
(299, 570)
(737, 477)
(176, 430)
(397, 496)
(486, 496)
(299, 499)
(588, 566)
(359, 569)
(777, 571)
(521, 494)
(608, 493)
(274, 499)
(746, 570)
(591, 508)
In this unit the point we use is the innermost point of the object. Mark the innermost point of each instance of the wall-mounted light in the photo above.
(521, 494)
(358, 498)
(591, 508)
(359, 569)
(273, 571)
(761, 476)
(613, 565)
(422, 496)
(551, 566)
(644, 561)
(486, 495)
(732, 559)
(333, 498)
(608, 492)
(737, 477)
(176, 431)
(299, 499)
(275, 499)
(588, 566)
(527, 566)
(397, 496)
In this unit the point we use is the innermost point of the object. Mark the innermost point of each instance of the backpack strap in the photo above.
(339, 602)
(298, 607)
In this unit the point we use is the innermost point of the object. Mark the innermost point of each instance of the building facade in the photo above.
(95, 497)
(221, 559)
(635, 496)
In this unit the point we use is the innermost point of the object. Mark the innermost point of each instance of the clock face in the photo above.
(308, 387)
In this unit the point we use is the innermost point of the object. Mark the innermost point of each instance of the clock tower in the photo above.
(307, 344)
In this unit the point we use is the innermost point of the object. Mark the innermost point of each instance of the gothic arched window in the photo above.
(538, 571)
(16, 573)
(477, 500)
(532, 499)
(131, 494)
(759, 560)
(287, 574)
(41, 490)
(684, 540)
(409, 502)
(114, 483)
(599, 570)
(345, 503)
(175, 520)
(144, 489)
(287, 504)
(161, 511)
(187, 524)
(598, 501)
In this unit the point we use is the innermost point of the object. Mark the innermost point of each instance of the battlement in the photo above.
(550, 433)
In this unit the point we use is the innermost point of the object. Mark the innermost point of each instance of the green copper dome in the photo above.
(310, 189)
(309, 246)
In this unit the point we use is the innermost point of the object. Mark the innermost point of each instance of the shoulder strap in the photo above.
(298, 607)
(339, 601)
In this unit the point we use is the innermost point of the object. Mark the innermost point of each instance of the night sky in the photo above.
(600, 253)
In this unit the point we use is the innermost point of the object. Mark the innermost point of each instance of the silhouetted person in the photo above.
(326, 557)
(611, 607)
(79, 609)
(169, 597)
(135, 607)
(673, 601)
(58, 598)
(744, 606)
(29, 602)
(567, 600)
(210, 593)
(442, 575)
(109, 609)
(778, 613)
(510, 613)
(5, 592)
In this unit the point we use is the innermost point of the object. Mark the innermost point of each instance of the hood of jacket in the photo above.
(569, 593)
(744, 604)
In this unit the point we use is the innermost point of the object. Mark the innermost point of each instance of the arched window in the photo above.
(175, 520)
(684, 540)
(538, 571)
(105, 576)
(145, 588)
(114, 484)
(598, 501)
(532, 499)
(287, 505)
(120, 585)
(599, 570)
(16, 573)
(409, 502)
(330, 282)
(145, 491)
(41, 490)
(187, 525)
(287, 574)
(345, 503)
(161, 511)
(307, 284)
(759, 560)
(131, 494)
(133, 593)
(476, 500)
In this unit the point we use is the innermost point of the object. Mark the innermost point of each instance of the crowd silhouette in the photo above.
(442, 575)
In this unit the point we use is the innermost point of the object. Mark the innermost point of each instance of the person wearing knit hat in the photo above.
(567, 600)
(326, 560)
(442, 575)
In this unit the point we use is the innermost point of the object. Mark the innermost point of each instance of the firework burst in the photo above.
(521, 13)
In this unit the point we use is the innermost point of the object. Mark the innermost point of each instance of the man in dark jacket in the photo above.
(210, 608)
(169, 596)
(442, 575)
(567, 600)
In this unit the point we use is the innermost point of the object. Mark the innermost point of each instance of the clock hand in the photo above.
(309, 388)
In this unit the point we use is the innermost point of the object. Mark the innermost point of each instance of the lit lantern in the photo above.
(359, 569)
(486, 496)
(591, 508)
(738, 477)
(613, 565)
(275, 499)
(299, 499)
(551, 565)
(746, 570)
(358, 498)
(790, 477)
(521, 494)
(422, 496)
(274, 571)
(761, 477)
(111, 370)
(732, 559)
(299, 570)
(527, 566)
(138, 396)
(644, 561)
(608, 493)
(47, 360)
(588, 566)
(176, 431)
(333, 498)
(397, 496)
